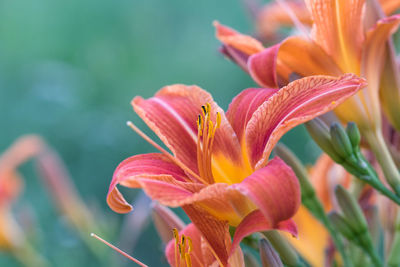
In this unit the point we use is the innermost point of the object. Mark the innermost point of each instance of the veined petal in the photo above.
(381, 70)
(215, 232)
(244, 43)
(274, 66)
(300, 101)
(137, 166)
(217, 199)
(145, 164)
(256, 222)
(338, 28)
(272, 17)
(172, 114)
(274, 189)
(373, 61)
(263, 67)
(243, 106)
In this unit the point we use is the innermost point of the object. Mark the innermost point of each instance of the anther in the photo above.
(204, 110)
(218, 122)
(208, 106)
(176, 235)
(190, 244)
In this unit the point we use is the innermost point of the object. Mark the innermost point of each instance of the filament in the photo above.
(118, 250)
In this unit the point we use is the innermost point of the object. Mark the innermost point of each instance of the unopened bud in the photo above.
(165, 220)
(340, 140)
(341, 225)
(287, 253)
(250, 260)
(350, 208)
(269, 257)
(320, 134)
(307, 191)
(354, 134)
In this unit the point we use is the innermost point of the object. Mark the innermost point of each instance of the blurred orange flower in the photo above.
(11, 235)
(340, 42)
(271, 17)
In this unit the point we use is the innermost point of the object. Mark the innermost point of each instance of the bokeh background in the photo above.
(68, 70)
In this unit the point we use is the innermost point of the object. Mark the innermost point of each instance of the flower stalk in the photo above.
(385, 160)
(355, 163)
(310, 200)
(286, 252)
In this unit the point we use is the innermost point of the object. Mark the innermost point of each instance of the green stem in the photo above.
(286, 252)
(311, 201)
(385, 160)
(392, 175)
(337, 239)
(373, 180)
(394, 255)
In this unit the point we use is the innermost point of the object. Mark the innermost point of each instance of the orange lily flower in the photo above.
(11, 235)
(190, 249)
(339, 44)
(219, 167)
(273, 16)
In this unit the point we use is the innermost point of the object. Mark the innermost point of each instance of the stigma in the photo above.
(206, 129)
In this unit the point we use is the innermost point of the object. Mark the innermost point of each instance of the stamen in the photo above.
(118, 250)
(162, 150)
(176, 236)
(208, 105)
(205, 141)
(183, 247)
(190, 244)
(188, 260)
(218, 123)
(200, 124)
(204, 110)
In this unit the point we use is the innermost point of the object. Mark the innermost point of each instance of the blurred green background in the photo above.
(68, 70)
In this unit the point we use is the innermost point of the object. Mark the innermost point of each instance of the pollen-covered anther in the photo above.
(183, 248)
(205, 141)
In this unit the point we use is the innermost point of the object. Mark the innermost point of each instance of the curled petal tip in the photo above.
(117, 202)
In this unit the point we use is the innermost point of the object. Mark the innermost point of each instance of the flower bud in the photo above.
(350, 208)
(320, 134)
(354, 134)
(269, 257)
(250, 260)
(341, 225)
(340, 141)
